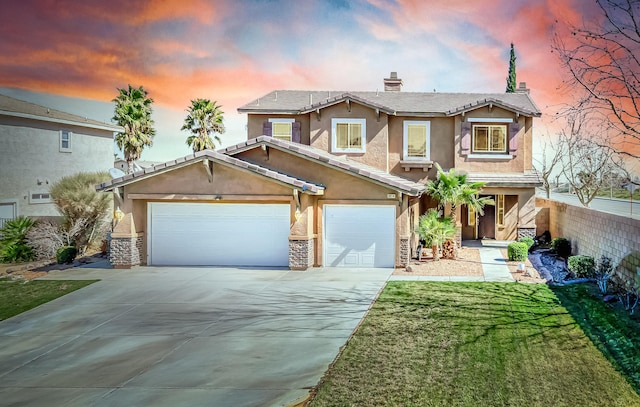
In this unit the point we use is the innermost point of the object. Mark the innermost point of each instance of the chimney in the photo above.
(393, 84)
(522, 88)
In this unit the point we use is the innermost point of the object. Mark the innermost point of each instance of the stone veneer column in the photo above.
(526, 232)
(301, 254)
(405, 251)
(125, 251)
(125, 246)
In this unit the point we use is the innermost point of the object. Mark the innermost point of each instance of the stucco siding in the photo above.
(30, 152)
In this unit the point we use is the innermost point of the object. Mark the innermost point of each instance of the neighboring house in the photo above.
(331, 179)
(38, 146)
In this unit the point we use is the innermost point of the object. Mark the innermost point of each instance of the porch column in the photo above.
(527, 213)
(125, 245)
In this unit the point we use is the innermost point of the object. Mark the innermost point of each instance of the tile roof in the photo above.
(516, 180)
(302, 185)
(19, 108)
(427, 104)
(341, 163)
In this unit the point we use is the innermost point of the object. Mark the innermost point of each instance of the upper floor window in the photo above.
(349, 135)
(65, 141)
(282, 129)
(489, 138)
(416, 140)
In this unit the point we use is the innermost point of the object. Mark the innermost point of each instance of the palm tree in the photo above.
(204, 119)
(453, 188)
(435, 230)
(133, 112)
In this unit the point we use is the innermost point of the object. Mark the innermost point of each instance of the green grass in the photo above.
(471, 344)
(620, 193)
(612, 329)
(18, 296)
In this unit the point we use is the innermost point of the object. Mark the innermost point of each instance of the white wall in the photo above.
(29, 151)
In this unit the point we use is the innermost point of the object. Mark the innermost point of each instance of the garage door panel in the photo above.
(359, 236)
(219, 234)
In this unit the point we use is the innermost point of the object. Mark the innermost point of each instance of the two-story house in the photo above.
(38, 146)
(331, 178)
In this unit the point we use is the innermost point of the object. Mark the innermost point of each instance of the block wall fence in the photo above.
(594, 233)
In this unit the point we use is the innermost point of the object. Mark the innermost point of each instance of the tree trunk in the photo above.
(434, 252)
(130, 167)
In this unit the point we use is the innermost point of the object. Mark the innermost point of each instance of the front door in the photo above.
(487, 223)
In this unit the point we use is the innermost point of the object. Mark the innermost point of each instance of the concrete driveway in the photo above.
(183, 337)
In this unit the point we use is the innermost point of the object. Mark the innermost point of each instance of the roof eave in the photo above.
(106, 127)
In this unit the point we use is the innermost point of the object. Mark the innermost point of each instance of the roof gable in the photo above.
(355, 168)
(213, 156)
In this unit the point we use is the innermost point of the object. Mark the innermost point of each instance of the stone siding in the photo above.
(405, 252)
(126, 252)
(594, 233)
(301, 254)
(526, 232)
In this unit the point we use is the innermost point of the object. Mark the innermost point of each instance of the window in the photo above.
(471, 216)
(349, 135)
(500, 210)
(65, 141)
(416, 140)
(490, 138)
(281, 129)
(39, 197)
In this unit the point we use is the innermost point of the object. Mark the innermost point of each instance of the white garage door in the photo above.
(218, 234)
(359, 236)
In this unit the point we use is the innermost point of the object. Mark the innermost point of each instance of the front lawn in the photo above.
(20, 296)
(471, 344)
(612, 329)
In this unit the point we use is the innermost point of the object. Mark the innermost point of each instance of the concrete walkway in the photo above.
(494, 267)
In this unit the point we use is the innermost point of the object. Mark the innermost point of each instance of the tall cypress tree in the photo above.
(511, 79)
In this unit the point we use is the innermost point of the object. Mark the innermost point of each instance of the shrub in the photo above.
(582, 266)
(66, 254)
(517, 251)
(84, 209)
(13, 245)
(561, 246)
(528, 241)
(45, 239)
(604, 271)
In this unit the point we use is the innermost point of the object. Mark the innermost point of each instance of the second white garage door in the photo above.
(359, 236)
(217, 234)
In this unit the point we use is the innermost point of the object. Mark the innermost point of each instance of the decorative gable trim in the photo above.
(490, 102)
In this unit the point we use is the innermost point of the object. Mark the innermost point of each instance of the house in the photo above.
(331, 178)
(38, 146)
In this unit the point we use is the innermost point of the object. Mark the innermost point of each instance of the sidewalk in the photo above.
(494, 267)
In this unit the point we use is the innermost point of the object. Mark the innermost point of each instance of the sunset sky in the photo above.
(72, 55)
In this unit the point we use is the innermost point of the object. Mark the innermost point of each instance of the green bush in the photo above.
(582, 266)
(66, 254)
(528, 241)
(517, 251)
(13, 245)
(561, 246)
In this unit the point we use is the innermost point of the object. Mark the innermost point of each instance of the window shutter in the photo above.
(295, 132)
(465, 137)
(266, 128)
(513, 138)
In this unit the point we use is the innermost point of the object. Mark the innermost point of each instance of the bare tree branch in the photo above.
(602, 61)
